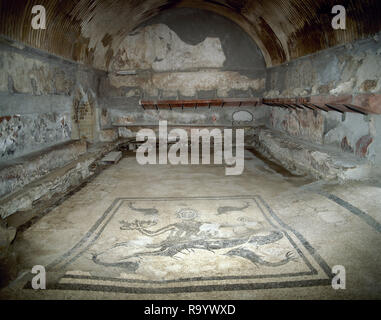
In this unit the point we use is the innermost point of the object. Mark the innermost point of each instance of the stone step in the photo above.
(112, 157)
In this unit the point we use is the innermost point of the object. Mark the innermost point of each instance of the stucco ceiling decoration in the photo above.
(91, 31)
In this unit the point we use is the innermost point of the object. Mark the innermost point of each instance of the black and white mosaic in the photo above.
(169, 245)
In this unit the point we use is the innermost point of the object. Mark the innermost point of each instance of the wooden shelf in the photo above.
(329, 103)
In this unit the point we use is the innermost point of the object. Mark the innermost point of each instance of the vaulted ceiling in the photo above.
(90, 31)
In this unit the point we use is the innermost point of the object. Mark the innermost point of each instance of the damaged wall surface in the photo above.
(40, 99)
(352, 133)
(208, 84)
(21, 134)
(182, 54)
(187, 53)
(353, 69)
(348, 74)
(159, 48)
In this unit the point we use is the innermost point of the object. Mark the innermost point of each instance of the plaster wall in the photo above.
(350, 73)
(40, 98)
(182, 54)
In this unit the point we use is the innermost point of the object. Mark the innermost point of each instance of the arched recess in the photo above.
(187, 53)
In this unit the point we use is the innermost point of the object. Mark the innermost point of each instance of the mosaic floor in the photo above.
(214, 243)
(190, 232)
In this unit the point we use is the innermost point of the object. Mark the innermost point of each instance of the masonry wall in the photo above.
(348, 74)
(350, 70)
(185, 54)
(182, 54)
(44, 100)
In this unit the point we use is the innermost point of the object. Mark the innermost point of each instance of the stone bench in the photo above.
(60, 170)
(17, 173)
(303, 158)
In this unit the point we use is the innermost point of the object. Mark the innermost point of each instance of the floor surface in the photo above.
(190, 232)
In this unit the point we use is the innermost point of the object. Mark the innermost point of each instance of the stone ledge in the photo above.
(302, 158)
(15, 174)
(56, 183)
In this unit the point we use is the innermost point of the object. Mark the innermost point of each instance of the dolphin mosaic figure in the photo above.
(145, 211)
(223, 210)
